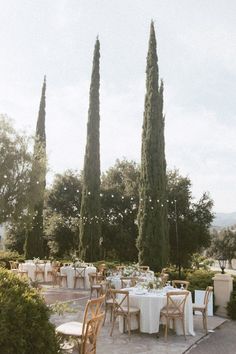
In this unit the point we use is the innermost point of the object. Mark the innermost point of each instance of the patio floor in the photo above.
(120, 343)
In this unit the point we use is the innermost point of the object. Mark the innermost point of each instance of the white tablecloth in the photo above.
(70, 272)
(150, 305)
(30, 267)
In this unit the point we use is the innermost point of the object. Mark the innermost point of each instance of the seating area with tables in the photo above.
(156, 315)
(130, 301)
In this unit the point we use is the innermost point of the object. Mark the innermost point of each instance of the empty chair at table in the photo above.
(203, 307)
(97, 283)
(121, 307)
(164, 276)
(120, 269)
(40, 271)
(144, 268)
(128, 282)
(79, 276)
(14, 266)
(182, 284)
(175, 309)
(102, 269)
(108, 300)
(86, 332)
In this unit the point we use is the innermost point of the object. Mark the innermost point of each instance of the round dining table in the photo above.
(150, 304)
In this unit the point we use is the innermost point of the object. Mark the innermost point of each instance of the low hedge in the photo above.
(200, 279)
(6, 256)
(231, 306)
(24, 319)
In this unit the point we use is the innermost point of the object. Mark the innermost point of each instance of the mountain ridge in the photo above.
(224, 219)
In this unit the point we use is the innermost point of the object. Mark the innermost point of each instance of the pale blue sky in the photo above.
(196, 42)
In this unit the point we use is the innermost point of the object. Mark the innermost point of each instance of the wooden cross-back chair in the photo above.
(97, 283)
(40, 270)
(79, 275)
(121, 307)
(175, 309)
(128, 282)
(144, 268)
(89, 339)
(203, 307)
(120, 268)
(14, 266)
(57, 277)
(86, 332)
(179, 283)
(108, 300)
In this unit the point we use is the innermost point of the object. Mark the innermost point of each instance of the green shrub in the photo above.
(231, 306)
(200, 279)
(24, 319)
(174, 273)
(6, 256)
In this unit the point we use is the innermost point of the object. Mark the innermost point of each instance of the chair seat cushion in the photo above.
(71, 329)
(199, 307)
(171, 312)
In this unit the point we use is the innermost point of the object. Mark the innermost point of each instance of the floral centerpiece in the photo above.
(131, 270)
(157, 283)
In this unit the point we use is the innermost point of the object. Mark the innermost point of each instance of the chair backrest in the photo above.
(14, 264)
(40, 267)
(128, 282)
(120, 268)
(208, 292)
(94, 307)
(89, 340)
(176, 302)
(80, 272)
(144, 268)
(180, 283)
(120, 298)
(102, 269)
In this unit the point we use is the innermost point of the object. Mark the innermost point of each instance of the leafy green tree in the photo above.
(90, 226)
(34, 238)
(119, 211)
(15, 167)
(223, 244)
(62, 214)
(189, 222)
(153, 243)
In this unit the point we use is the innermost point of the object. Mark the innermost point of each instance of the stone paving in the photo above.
(138, 343)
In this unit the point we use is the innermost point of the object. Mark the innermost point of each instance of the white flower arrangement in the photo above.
(131, 270)
(157, 283)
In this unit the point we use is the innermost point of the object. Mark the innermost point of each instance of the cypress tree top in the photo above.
(40, 127)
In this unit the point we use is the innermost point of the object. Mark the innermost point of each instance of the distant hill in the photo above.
(224, 220)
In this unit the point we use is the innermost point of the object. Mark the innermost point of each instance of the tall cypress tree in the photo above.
(90, 227)
(34, 238)
(152, 242)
